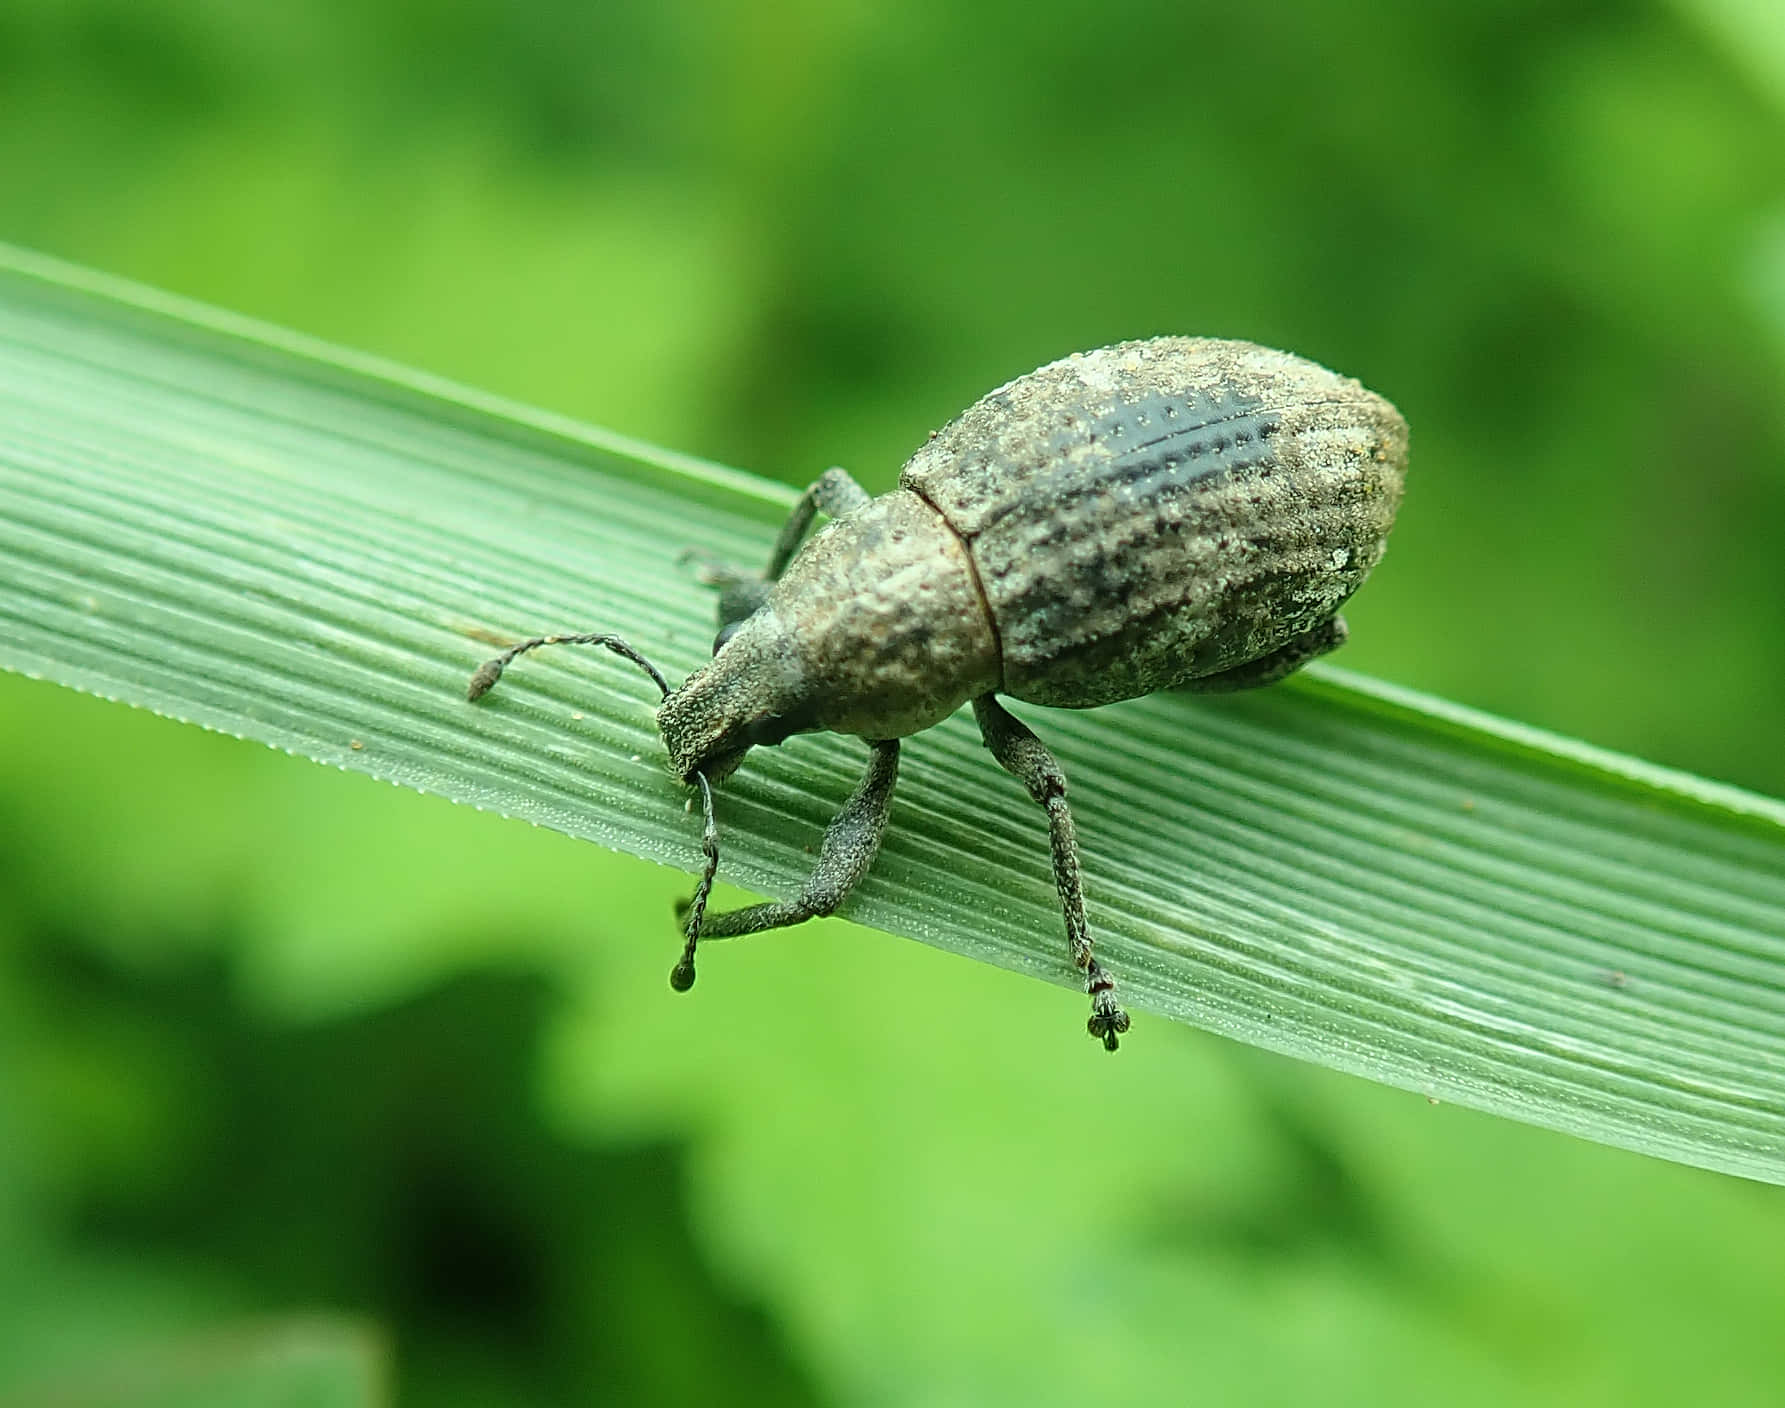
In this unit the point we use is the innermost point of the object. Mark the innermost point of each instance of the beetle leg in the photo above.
(850, 843)
(738, 599)
(834, 493)
(1020, 753)
(741, 591)
(1281, 663)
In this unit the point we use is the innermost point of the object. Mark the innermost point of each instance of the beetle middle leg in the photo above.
(1020, 753)
(851, 842)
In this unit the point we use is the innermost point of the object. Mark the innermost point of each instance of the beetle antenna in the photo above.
(681, 977)
(491, 670)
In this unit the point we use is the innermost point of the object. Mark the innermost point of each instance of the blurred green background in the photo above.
(280, 1048)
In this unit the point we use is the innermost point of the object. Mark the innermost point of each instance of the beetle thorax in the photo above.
(876, 629)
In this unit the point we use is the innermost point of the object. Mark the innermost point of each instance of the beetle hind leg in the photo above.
(1023, 755)
(1280, 664)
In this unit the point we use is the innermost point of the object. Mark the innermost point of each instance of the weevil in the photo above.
(1175, 513)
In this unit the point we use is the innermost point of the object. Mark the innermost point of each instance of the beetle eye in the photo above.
(766, 730)
(769, 730)
(726, 632)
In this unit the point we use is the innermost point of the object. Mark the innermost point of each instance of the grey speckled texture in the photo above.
(875, 629)
(1153, 512)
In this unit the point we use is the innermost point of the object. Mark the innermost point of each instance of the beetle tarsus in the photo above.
(1107, 1021)
(712, 571)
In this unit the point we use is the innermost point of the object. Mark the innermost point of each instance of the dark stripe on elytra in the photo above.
(1144, 524)
(1230, 510)
(1178, 459)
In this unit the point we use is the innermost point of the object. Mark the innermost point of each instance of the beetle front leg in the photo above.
(851, 842)
(834, 493)
(1020, 753)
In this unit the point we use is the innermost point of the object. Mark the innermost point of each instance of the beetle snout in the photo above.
(720, 757)
(716, 767)
(748, 694)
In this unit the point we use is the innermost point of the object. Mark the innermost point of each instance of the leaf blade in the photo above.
(240, 528)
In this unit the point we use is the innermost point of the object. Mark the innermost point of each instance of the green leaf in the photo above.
(1749, 33)
(297, 1362)
(234, 526)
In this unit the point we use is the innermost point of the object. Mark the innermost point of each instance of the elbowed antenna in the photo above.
(491, 670)
(681, 977)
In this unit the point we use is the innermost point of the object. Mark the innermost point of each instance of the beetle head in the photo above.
(752, 692)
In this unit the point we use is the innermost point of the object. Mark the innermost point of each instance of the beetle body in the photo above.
(1122, 521)
(1173, 513)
